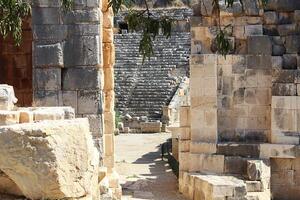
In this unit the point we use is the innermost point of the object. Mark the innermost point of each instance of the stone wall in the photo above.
(142, 89)
(16, 64)
(243, 102)
(67, 59)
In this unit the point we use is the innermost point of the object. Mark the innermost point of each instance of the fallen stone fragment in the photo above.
(51, 159)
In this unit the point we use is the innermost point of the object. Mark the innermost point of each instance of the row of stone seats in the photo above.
(142, 89)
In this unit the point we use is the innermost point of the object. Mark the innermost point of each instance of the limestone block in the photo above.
(46, 15)
(47, 78)
(109, 122)
(9, 117)
(59, 172)
(108, 161)
(108, 19)
(7, 97)
(254, 170)
(69, 98)
(259, 45)
(76, 78)
(109, 144)
(7, 186)
(209, 163)
(251, 7)
(83, 16)
(278, 151)
(109, 83)
(108, 35)
(184, 159)
(151, 127)
(184, 145)
(200, 147)
(48, 114)
(207, 8)
(277, 62)
(26, 116)
(82, 51)
(258, 62)
(251, 30)
(45, 98)
(50, 55)
(108, 54)
(96, 125)
(289, 61)
(287, 29)
(53, 33)
(270, 17)
(89, 102)
(184, 116)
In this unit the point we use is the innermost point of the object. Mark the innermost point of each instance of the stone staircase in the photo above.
(142, 89)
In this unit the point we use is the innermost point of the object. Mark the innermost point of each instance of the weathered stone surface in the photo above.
(254, 170)
(76, 78)
(259, 45)
(7, 186)
(270, 17)
(47, 78)
(54, 170)
(7, 97)
(151, 127)
(9, 117)
(48, 55)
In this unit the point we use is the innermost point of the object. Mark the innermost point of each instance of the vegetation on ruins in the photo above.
(13, 11)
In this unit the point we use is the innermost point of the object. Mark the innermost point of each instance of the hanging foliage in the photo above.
(12, 13)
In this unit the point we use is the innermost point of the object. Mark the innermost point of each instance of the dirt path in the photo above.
(143, 174)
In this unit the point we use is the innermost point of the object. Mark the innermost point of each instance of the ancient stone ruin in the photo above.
(239, 138)
(65, 59)
(143, 89)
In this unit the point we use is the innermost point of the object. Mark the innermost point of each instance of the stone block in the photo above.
(251, 30)
(50, 55)
(109, 144)
(109, 83)
(259, 45)
(258, 61)
(108, 19)
(42, 114)
(96, 125)
(243, 150)
(82, 51)
(208, 163)
(9, 117)
(184, 161)
(200, 147)
(207, 8)
(7, 97)
(284, 76)
(108, 35)
(76, 78)
(251, 7)
(292, 44)
(47, 78)
(277, 62)
(277, 151)
(284, 89)
(287, 29)
(184, 145)
(235, 165)
(109, 122)
(108, 54)
(151, 127)
(82, 16)
(73, 175)
(289, 61)
(184, 119)
(50, 33)
(89, 102)
(46, 15)
(26, 116)
(69, 98)
(45, 98)
(109, 101)
(270, 17)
